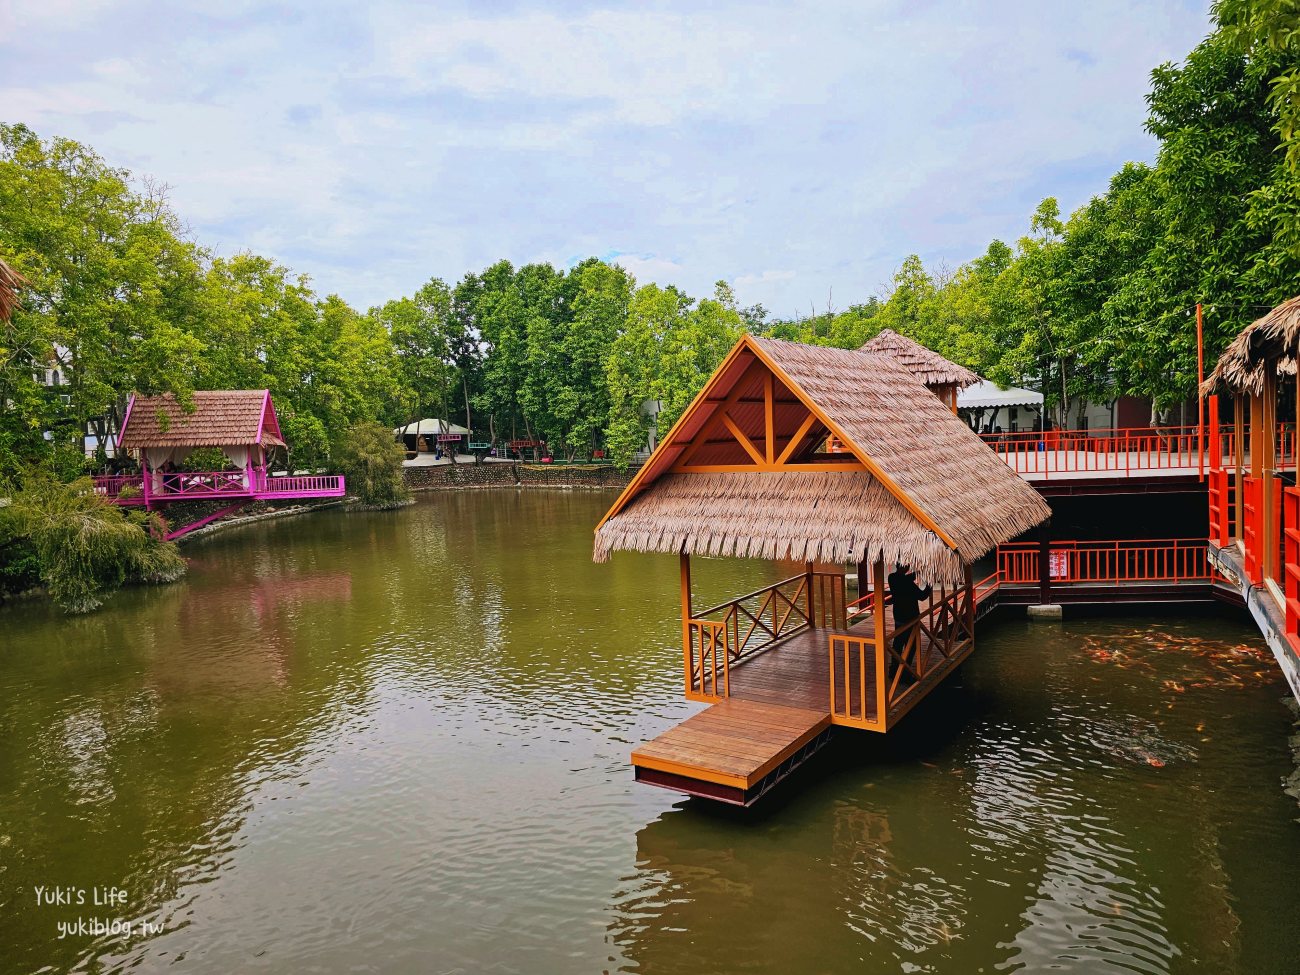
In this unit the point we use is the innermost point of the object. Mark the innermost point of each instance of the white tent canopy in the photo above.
(429, 427)
(985, 395)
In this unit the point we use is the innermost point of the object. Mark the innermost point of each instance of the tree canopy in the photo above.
(1085, 306)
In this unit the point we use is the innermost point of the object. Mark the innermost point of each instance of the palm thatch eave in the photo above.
(1270, 343)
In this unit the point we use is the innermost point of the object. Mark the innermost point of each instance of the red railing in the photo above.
(1291, 560)
(1137, 560)
(1252, 527)
(1222, 507)
(1122, 452)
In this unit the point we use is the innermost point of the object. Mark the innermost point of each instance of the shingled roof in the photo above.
(221, 417)
(926, 365)
(919, 487)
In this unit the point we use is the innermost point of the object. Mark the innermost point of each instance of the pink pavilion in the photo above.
(241, 423)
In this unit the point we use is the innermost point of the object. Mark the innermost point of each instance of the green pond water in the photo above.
(398, 742)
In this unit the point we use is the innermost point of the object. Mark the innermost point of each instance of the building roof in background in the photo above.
(925, 364)
(989, 395)
(221, 418)
(921, 489)
(1271, 342)
(428, 426)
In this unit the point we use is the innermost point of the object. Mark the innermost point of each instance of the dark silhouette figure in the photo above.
(907, 596)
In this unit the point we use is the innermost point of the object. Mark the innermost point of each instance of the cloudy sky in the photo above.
(791, 149)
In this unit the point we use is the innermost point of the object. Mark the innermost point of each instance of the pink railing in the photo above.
(325, 484)
(110, 486)
(199, 484)
(196, 485)
(1124, 451)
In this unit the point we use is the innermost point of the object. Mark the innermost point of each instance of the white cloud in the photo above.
(648, 268)
(766, 277)
(788, 149)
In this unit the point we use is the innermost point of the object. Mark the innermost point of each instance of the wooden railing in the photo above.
(1129, 560)
(708, 660)
(747, 625)
(876, 678)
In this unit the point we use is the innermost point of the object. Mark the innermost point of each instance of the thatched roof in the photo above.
(926, 365)
(1271, 342)
(932, 495)
(221, 418)
(10, 282)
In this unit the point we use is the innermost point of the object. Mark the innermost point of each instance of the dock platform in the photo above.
(733, 751)
(778, 714)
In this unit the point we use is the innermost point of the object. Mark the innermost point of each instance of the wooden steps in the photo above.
(734, 751)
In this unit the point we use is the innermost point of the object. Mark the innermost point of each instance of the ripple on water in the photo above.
(396, 743)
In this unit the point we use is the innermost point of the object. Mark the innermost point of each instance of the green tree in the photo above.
(371, 463)
(112, 291)
(84, 547)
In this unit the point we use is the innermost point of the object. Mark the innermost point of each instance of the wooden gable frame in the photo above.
(751, 416)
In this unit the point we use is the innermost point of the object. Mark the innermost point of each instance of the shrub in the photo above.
(371, 461)
(84, 546)
(205, 459)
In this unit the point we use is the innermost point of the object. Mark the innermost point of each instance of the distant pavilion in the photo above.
(943, 378)
(161, 433)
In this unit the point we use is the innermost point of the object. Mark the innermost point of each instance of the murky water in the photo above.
(398, 743)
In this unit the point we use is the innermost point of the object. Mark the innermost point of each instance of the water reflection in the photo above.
(1043, 835)
(399, 741)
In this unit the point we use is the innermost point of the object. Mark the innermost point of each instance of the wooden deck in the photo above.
(779, 714)
(728, 751)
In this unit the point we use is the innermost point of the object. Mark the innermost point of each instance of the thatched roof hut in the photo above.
(1270, 343)
(743, 471)
(926, 365)
(10, 282)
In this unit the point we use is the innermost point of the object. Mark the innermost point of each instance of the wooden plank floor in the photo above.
(780, 702)
(797, 673)
(734, 743)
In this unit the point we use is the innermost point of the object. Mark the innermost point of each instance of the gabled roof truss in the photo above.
(761, 425)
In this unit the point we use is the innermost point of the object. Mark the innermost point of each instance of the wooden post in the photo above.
(1269, 563)
(1200, 400)
(1256, 434)
(1239, 459)
(685, 560)
(1044, 564)
(970, 603)
(878, 609)
(809, 579)
(1215, 445)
